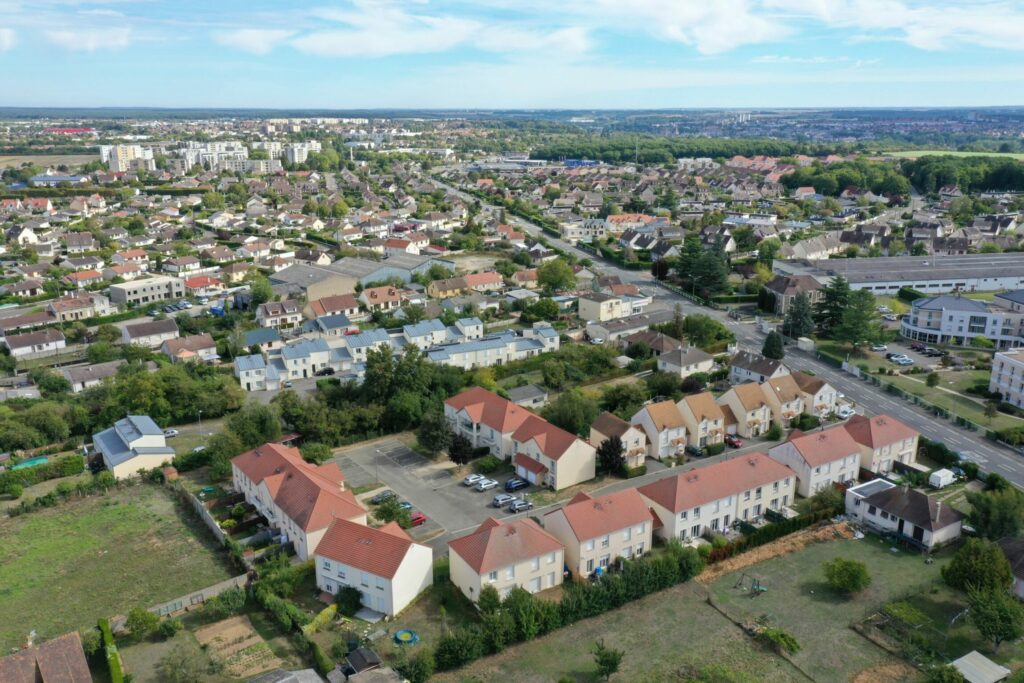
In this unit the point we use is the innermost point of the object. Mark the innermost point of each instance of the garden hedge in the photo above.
(110, 647)
(54, 468)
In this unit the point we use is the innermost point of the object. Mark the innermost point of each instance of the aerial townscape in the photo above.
(311, 370)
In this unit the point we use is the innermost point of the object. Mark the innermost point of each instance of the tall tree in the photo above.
(572, 411)
(461, 449)
(828, 313)
(799, 317)
(434, 433)
(555, 276)
(607, 659)
(979, 564)
(997, 514)
(860, 323)
(773, 346)
(997, 614)
(610, 455)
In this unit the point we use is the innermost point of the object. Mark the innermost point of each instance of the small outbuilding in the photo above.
(977, 668)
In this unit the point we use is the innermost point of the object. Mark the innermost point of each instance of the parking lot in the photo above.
(429, 486)
(903, 346)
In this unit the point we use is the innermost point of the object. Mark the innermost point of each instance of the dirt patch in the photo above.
(887, 673)
(785, 545)
(236, 643)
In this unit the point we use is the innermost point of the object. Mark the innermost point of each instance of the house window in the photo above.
(327, 565)
(535, 564)
(696, 513)
(590, 565)
(492, 577)
(551, 558)
(639, 548)
(746, 495)
(871, 509)
(510, 573)
(341, 573)
(364, 580)
(757, 494)
(590, 544)
(605, 541)
(775, 487)
(627, 533)
(695, 531)
(380, 583)
(683, 514)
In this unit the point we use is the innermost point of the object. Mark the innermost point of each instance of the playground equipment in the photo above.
(756, 587)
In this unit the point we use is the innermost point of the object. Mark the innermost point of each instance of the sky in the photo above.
(522, 54)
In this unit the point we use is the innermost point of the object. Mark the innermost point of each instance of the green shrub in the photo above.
(113, 657)
(631, 472)
(324, 664)
(458, 648)
(779, 640)
(169, 627)
(418, 668)
(488, 464)
(323, 618)
(141, 622)
(349, 600)
(774, 432)
(714, 448)
(54, 468)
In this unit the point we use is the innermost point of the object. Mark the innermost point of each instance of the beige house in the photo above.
(634, 440)
(597, 307)
(712, 498)
(686, 361)
(486, 419)
(820, 397)
(595, 531)
(664, 426)
(506, 555)
(750, 408)
(704, 419)
(550, 456)
(784, 398)
(133, 445)
(883, 440)
(387, 568)
(820, 459)
(296, 497)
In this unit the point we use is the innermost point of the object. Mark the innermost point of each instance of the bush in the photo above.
(349, 600)
(323, 618)
(458, 648)
(779, 640)
(714, 448)
(54, 468)
(113, 658)
(774, 432)
(15, 490)
(807, 422)
(488, 464)
(847, 576)
(324, 664)
(631, 472)
(169, 627)
(418, 668)
(141, 622)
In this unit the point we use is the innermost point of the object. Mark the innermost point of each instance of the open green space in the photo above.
(17, 160)
(966, 407)
(62, 568)
(917, 153)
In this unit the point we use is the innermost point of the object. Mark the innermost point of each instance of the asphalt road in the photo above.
(991, 457)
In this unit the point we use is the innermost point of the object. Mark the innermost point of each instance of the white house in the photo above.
(387, 568)
(753, 367)
(820, 459)
(883, 440)
(904, 512)
(663, 424)
(132, 445)
(45, 341)
(486, 419)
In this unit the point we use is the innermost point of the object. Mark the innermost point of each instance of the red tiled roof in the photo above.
(333, 304)
(498, 544)
(529, 464)
(827, 445)
(60, 660)
(376, 551)
(714, 482)
(878, 431)
(553, 441)
(590, 517)
(490, 409)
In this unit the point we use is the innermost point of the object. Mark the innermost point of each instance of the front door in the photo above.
(899, 527)
(919, 534)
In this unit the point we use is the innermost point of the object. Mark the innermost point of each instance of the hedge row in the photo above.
(766, 534)
(909, 294)
(110, 647)
(55, 468)
(735, 298)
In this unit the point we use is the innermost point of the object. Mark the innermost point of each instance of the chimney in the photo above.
(938, 510)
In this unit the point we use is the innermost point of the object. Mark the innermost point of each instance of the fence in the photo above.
(200, 596)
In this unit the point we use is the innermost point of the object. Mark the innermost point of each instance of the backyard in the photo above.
(677, 632)
(99, 557)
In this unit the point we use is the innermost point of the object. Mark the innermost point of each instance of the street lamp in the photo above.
(200, 422)
(376, 465)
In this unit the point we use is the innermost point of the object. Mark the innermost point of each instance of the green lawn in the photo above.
(63, 568)
(799, 601)
(963, 406)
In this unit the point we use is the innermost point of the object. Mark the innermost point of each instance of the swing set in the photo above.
(756, 587)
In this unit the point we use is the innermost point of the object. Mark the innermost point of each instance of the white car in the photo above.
(845, 412)
(472, 479)
(169, 433)
(879, 347)
(486, 485)
(199, 449)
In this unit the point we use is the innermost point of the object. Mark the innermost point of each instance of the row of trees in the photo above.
(648, 149)
(830, 180)
(971, 173)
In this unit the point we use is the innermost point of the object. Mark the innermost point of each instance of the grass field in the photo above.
(963, 406)
(15, 161)
(63, 568)
(915, 153)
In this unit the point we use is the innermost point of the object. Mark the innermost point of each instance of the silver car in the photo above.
(472, 479)
(502, 499)
(486, 485)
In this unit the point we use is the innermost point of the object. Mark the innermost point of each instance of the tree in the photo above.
(991, 409)
(260, 290)
(828, 312)
(349, 600)
(461, 449)
(932, 379)
(996, 514)
(573, 412)
(490, 600)
(434, 433)
(316, 452)
(997, 614)
(664, 385)
(979, 564)
(767, 250)
(607, 659)
(610, 456)
(799, 320)
(946, 673)
(181, 665)
(419, 667)
(556, 275)
(860, 323)
(391, 510)
(141, 622)
(703, 330)
(213, 201)
(553, 374)
(255, 424)
(773, 346)
(846, 576)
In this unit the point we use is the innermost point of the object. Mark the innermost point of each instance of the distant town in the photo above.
(407, 396)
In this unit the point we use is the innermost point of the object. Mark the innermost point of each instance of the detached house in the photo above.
(29, 343)
(820, 398)
(151, 334)
(904, 512)
(750, 409)
(595, 531)
(506, 555)
(381, 299)
(550, 456)
(684, 362)
(703, 418)
(820, 459)
(133, 445)
(387, 568)
(280, 315)
(753, 367)
(712, 498)
(664, 427)
(486, 419)
(195, 347)
(883, 440)
(634, 440)
(298, 499)
(344, 304)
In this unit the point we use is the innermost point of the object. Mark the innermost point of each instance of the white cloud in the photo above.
(91, 39)
(7, 39)
(255, 40)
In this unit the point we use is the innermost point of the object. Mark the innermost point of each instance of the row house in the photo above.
(703, 419)
(747, 366)
(663, 424)
(633, 438)
(751, 416)
(506, 555)
(820, 459)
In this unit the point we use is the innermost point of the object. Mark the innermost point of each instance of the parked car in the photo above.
(472, 479)
(502, 499)
(186, 305)
(486, 485)
(203, 300)
(199, 449)
(695, 451)
(520, 506)
(904, 361)
(287, 384)
(889, 317)
(405, 505)
(323, 372)
(845, 412)
(153, 312)
(418, 519)
(879, 347)
(386, 494)
(733, 440)
(917, 346)
(515, 483)
(170, 433)
(596, 341)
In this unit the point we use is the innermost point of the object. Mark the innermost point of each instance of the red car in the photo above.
(418, 518)
(733, 440)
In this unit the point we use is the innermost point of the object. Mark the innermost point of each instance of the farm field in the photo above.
(677, 632)
(915, 153)
(16, 160)
(98, 557)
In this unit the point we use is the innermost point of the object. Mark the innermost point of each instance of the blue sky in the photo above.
(511, 53)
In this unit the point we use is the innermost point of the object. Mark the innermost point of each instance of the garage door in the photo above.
(535, 585)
